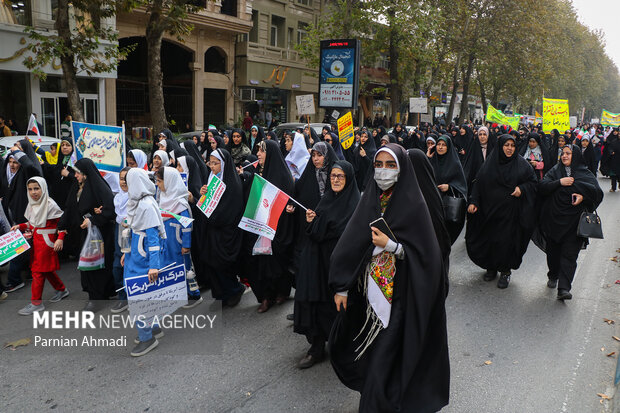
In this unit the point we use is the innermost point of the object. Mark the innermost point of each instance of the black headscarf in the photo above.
(463, 142)
(307, 187)
(544, 150)
(275, 170)
(363, 164)
(337, 146)
(588, 155)
(411, 355)
(448, 169)
(241, 151)
(610, 161)
(259, 138)
(29, 151)
(559, 217)
(426, 180)
(272, 136)
(192, 150)
(499, 232)
(15, 193)
(194, 179)
(335, 209)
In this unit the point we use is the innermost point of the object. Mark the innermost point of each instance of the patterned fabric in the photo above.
(382, 269)
(384, 199)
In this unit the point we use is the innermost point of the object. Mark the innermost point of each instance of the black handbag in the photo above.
(590, 225)
(454, 208)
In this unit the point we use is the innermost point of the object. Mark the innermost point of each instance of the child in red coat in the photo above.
(42, 214)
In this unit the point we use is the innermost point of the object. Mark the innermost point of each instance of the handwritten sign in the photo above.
(104, 144)
(609, 119)
(418, 105)
(555, 115)
(305, 104)
(159, 298)
(12, 244)
(209, 201)
(345, 130)
(497, 116)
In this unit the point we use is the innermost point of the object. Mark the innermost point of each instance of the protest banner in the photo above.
(305, 104)
(12, 244)
(162, 297)
(497, 116)
(418, 105)
(555, 115)
(345, 130)
(609, 119)
(104, 145)
(209, 201)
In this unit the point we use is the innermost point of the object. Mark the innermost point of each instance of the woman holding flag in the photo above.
(268, 270)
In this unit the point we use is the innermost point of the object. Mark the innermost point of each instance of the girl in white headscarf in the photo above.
(174, 198)
(42, 214)
(160, 160)
(147, 237)
(120, 208)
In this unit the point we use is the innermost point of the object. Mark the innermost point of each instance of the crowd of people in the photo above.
(368, 255)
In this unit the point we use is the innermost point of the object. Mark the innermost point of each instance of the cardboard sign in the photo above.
(418, 105)
(305, 104)
(209, 201)
(345, 130)
(12, 244)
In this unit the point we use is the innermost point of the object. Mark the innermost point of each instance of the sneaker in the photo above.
(3, 296)
(144, 347)
(552, 283)
(59, 295)
(31, 308)
(504, 280)
(490, 275)
(119, 307)
(157, 332)
(193, 302)
(10, 287)
(564, 294)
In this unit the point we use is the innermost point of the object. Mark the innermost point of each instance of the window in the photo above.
(215, 60)
(254, 32)
(229, 7)
(302, 31)
(291, 38)
(305, 2)
(273, 39)
(15, 12)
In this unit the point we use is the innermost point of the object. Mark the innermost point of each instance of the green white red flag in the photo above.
(265, 205)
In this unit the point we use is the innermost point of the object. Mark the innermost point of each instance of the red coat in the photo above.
(43, 258)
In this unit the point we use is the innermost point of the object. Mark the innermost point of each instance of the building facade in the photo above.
(269, 72)
(21, 93)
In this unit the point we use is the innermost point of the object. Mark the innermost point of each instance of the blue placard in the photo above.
(103, 144)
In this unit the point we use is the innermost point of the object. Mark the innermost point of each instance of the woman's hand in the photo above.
(64, 172)
(379, 239)
(472, 209)
(290, 209)
(362, 153)
(123, 260)
(567, 181)
(190, 197)
(443, 187)
(429, 153)
(203, 190)
(98, 210)
(310, 215)
(14, 227)
(153, 274)
(85, 223)
(341, 301)
(240, 170)
(517, 192)
(577, 199)
(58, 245)
(185, 250)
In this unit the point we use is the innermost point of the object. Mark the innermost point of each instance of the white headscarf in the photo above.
(165, 161)
(120, 205)
(113, 181)
(183, 161)
(175, 198)
(217, 154)
(163, 143)
(297, 158)
(38, 212)
(140, 158)
(142, 209)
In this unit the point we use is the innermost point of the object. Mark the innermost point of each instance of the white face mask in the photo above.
(386, 178)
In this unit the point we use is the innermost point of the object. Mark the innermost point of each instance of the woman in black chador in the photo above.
(91, 201)
(449, 177)
(501, 212)
(389, 341)
(314, 305)
(569, 189)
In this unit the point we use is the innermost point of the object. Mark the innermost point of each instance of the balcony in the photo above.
(270, 54)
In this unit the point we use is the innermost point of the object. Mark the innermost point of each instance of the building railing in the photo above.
(270, 52)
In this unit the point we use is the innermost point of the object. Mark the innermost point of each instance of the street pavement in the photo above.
(514, 350)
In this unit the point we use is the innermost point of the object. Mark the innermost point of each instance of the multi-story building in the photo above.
(198, 73)
(269, 71)
(21, 93)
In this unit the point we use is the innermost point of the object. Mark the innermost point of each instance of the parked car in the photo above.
(7, 142)
(279, 130)
(409, 129)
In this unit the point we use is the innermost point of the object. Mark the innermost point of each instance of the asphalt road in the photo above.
(513, 350)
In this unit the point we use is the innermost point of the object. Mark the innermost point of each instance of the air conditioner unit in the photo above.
(248, 95)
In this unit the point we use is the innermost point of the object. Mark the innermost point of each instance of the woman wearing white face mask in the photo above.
(393, 291)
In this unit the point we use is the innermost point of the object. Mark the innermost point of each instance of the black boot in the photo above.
(504, 280)
(490, 275)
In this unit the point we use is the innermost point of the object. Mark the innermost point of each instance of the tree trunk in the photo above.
(395, 89)
(455, 87)
(483, 95)
(67, 62)
(154, 35)
(464, 113)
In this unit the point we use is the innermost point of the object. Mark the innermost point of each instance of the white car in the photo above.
(7, 142)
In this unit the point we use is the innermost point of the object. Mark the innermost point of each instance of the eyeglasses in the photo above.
(328, 140)
(337, 177)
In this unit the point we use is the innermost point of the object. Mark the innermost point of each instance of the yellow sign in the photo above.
(497, 116)
(345, 130)
(610, 119)
(555, 115)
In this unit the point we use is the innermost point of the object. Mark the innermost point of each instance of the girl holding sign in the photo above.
(173, 198)
(42, 214)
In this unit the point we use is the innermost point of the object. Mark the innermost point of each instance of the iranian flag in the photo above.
(33, 127)
(264, 207)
